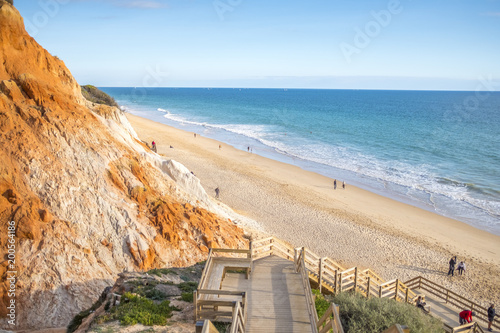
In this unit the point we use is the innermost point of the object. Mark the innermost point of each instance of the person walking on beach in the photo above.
(453, 262)
(461, 267)
(153, 144)
(335, 184)
(491, 316)
(465, 317)
(217, 191)
(220, 147)
(343, 185)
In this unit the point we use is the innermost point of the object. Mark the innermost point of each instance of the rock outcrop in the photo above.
(88, 198)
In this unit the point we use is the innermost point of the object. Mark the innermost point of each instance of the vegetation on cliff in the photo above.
(95, 95)
(359, 315)
(150, 299)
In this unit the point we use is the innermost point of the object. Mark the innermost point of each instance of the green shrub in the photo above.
(188, 287)
(359, 315)
(221, 327)
(155, 295)
(187, 297)
(321, 303)
(135, 309)
(95, 95)
(162, 271)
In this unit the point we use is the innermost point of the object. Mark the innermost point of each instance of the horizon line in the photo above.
(282, 88)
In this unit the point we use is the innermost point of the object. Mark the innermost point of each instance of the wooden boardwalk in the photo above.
(448, 314)
(276, 298)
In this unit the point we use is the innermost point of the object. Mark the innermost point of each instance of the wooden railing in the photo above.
(332, 277)
(206, 326)
(238, 320)
(451, 298)
(221, 305)
(206, 270)
(467, 328)
(330, 321)
(300, 267)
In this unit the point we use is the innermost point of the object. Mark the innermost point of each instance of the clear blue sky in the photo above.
(419, 44)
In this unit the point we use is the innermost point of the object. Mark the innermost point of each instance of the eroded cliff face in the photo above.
(88, 198)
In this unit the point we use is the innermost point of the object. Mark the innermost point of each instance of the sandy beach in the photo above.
(352, 226)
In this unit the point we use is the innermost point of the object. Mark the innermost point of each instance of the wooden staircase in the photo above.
(266, 301)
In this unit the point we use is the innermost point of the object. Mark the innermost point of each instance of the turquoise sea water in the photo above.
(436, 150)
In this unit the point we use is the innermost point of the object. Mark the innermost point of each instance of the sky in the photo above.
(335, 44)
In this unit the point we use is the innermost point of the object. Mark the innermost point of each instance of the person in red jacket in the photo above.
(465, 317)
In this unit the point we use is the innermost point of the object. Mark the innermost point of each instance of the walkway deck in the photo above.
(448, 314)
(276, 298)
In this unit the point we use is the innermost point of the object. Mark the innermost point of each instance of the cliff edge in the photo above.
(89, 200)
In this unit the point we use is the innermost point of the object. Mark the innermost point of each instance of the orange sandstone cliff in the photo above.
(89, 200)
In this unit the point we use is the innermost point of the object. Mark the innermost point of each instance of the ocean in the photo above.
(438, 150)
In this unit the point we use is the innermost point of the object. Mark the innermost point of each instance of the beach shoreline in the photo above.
(353, 226)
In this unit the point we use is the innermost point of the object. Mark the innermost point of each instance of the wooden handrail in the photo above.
(238, 319)
(336, 278)
(301, 268)
(208, 327)
(204, 273)
(245, 251)
(330, 320)
(451, 297)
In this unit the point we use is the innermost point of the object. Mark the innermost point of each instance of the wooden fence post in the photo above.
(368, 288)
(250, 255)
(406, 295)
(397, 290)
(271, 245)
(195, 298)
(355, 278)
(380, 292)
(335, 283)
(340, 282)
(320, 273)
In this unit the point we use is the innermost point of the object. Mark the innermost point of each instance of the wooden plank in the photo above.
(216, 303)
(245, 251)
(276, 298)
(221, 292)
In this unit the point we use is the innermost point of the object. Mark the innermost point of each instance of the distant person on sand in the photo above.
(461, 267)
(465, 317)
(248, 149)
(195, 135)
(153, 144)
(220, 147)
(491, 316)
(343, 185)
(453, 262)
(217, 191)
(335, 184)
